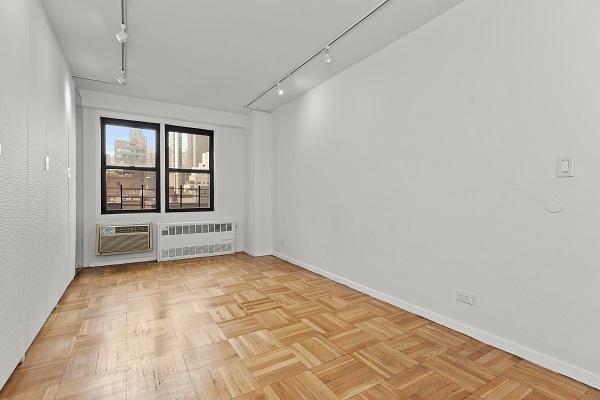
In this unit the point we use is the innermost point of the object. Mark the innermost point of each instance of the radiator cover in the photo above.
(195, 239)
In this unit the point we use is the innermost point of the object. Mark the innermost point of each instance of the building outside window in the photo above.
(130, 166)
(190, 170)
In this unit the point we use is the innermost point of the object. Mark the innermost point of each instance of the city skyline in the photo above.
(115, 132)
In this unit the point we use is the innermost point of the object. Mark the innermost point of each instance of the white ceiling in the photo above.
(221, 54)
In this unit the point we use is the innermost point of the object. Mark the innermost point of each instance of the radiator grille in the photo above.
(198, 239)
(193, 229)
(198, 251)
(120, 239)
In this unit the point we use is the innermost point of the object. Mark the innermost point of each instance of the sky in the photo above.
(114, 132)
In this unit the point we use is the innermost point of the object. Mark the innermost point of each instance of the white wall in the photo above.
(228, 157)
(37, 209)
(259, 184)
(425, 169)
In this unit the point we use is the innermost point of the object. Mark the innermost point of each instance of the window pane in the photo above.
(189, 190)
(189, 151)
(131, 147)
(130, 190)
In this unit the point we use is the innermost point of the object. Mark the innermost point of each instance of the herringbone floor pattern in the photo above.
(245, 328)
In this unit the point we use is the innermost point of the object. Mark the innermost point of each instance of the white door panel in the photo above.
(57, 190)
(36, 185)
(13, 183)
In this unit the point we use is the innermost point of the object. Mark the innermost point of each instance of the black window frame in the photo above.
(210, 171)
(156, 169)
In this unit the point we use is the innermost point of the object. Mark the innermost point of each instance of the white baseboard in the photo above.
(258, 253)
(544, 360)
(146, 259)
(117, 262)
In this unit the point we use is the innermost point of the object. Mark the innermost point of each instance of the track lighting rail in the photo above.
(87, 78)
(122, 37)
(316, 54)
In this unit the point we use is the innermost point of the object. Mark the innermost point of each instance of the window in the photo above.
(130, 166)
(189, 172)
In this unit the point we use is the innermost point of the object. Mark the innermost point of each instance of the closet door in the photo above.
(13, 183)
(57, 190)
(36, 172)
(71, 182)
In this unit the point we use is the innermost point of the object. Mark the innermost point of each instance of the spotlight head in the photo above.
(122, 79)
(123, 35)
(280, 90)
(327, 57)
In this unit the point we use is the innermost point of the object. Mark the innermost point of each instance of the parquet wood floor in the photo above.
(238, 327)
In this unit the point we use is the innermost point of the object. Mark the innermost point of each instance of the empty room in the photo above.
(300, 200)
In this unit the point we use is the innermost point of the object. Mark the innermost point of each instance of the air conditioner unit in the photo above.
(195, 239)
(122, 239)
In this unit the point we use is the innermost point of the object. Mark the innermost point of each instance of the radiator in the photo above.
(195, 239)
(121, 239)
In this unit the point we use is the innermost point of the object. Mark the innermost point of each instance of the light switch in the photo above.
(565, 167)
(47, 163)
(69, 175)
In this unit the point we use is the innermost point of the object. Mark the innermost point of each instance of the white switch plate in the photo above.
(565, 167)
(465, 297)
(47, 163)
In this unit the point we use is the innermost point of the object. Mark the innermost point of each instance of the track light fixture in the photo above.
(122, 79)
(280, 90)
(327, 55)
(123, 35)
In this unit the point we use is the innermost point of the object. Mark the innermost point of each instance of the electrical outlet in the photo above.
(283, 242)
(465, 297)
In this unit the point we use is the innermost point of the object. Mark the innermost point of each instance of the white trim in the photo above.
(544, 360)
(258, 253)
(118, 262)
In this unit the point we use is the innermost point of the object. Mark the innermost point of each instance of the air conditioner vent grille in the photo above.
(121, 239)
(132, 229)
